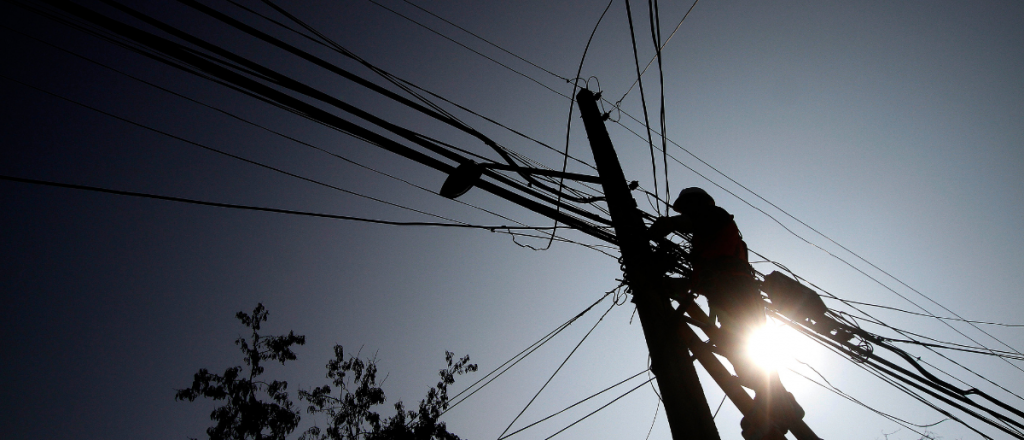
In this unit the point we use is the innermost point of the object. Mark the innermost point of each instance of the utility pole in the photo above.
(686, 408)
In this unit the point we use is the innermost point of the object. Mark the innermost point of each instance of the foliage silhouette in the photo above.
(244, 415)
(350, 414)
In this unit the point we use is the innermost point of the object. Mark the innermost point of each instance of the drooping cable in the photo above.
(221, 152)
(575, 86)
(660, 48)
(219, 67)
(655, 16)
(643, 99)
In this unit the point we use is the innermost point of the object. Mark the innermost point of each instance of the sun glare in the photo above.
(775, 346)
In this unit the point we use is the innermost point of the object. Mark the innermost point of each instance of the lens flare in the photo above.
(775, 346)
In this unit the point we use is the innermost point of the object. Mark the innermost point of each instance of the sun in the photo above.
(775, 346)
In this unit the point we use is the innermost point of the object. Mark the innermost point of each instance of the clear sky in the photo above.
(894, 128)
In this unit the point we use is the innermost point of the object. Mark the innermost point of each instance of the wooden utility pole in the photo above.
(685, 405)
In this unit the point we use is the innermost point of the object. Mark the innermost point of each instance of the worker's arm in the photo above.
(666, 225)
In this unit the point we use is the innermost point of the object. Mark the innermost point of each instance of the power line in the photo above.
(269, 130)
(578, 402)
(528, 351)
(567, 80)
(639, 76)
(220, 68)
(254, 208)
(929, 315)
(405, 84)
(568, 125)
(899, 331)
(472, 50)
(655, 17)
(643, 99)
(846, 396)
(601, 408)
(662, 47)
(599, 320)
(221, 152)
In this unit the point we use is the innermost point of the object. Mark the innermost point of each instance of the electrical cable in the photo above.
(842, 394)
(655, 17)
(906, 334)
(599, 409)
(575, 85)
(293, 105)
(916, 381)
(643, 99)
(520, 356)
(599, 320)
(253, 208)
(573, 406)
(221, 152)
(302, 88)
(869, 369)
(262, 127)
(472, 50)
(661, 48)
(657, 407)
(827, 238)
(901, 332)
(404, 83)
(567, 80)
(931, 316)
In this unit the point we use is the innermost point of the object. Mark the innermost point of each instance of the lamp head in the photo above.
(462, 179)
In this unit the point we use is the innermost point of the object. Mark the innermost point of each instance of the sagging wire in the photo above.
(657, 407)
(643, 99)
(938, 386)
(572, 102)
(846, 396)
(619, 102)
(655, 17)
(897, 330)
(337, 70)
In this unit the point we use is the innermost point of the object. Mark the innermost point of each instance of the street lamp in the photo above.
(466, 175)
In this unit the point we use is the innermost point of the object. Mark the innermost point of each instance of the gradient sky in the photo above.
(894, 128)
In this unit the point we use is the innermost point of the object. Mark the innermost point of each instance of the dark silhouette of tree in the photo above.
(244, 415)
(350, 413)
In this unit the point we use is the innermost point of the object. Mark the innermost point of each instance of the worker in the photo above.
(722, 273)
(718, 257)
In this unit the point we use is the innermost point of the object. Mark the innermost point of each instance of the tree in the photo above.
(350, 415)
(244, 415)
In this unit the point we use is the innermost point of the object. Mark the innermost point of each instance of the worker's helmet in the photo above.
(691, 197)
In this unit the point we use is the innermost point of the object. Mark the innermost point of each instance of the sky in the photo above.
(896, 129)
